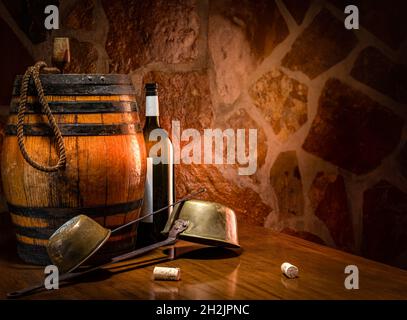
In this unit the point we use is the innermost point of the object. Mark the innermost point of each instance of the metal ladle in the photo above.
(81, 237)
(179, 226)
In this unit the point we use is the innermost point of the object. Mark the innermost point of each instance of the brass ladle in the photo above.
(179, 226)
(80, 237)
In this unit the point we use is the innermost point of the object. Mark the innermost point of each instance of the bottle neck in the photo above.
(152, 122)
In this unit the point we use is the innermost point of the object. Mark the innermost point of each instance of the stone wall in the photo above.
(329, 104)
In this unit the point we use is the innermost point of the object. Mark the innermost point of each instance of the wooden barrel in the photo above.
(105, 169)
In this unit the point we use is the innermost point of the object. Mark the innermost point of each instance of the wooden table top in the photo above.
(213, 273)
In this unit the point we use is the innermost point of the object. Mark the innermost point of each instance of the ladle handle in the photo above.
(193, 194)
(23, 292)
(143, 250)
(70, 276)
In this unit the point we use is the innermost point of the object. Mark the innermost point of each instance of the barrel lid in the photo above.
(80, 84)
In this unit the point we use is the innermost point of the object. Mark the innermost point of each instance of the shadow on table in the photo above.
(103, 274)
(186, 252)
(199, 252)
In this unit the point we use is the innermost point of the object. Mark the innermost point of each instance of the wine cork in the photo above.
(289, 270)
(166, 273)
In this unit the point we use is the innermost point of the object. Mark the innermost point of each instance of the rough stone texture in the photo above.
(30, 16)
(184, 97)
(303, 235)
(329, 200)
(232, 58)
(150, 31)
(282, 100)
(245, 202)
(241, 119)
(386, 20)
(262, 22)
(84, 57)
(351, 130)
(241, 34)
(324, 43)
(385, 224)
(81, 15)
(298, 9)
(285, 178)
(377, 71)
(9, 65)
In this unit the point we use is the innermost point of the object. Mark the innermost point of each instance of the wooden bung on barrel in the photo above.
(104, 170)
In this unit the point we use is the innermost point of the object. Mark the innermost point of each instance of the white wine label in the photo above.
(152, 109)
(167, 273)
(148, 193)
(289, 270)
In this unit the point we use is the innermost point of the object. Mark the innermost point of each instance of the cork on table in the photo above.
(215, 273)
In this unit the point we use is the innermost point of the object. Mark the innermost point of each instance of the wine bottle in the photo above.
(159, 190)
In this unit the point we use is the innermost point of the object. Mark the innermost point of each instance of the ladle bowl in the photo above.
(210, 223)
(75, 241)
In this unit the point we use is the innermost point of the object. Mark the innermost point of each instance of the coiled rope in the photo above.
(34, 71)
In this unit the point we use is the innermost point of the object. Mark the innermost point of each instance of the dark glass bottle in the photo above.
(159, 188)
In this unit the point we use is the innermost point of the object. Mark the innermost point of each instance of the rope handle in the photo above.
(34, 71)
